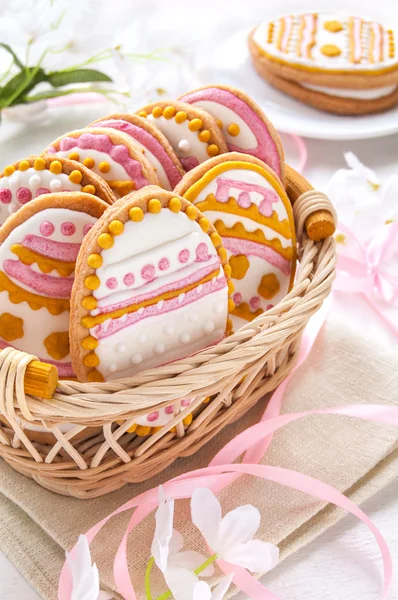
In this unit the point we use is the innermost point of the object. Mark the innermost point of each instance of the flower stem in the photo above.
(148, 592)
(197, 571)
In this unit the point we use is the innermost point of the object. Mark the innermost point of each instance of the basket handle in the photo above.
(40, 378)
(320, 224)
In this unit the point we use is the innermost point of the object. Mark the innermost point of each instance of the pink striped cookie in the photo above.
(39, 245)
(243, 124)
(31, 177)
(193, 134)
(155, 146)
(151, 287)
(247, 204)
(110, 154)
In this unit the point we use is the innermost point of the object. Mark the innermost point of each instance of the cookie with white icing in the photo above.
(31, 177)
(243, 124)
(110, 154)
(39, 245)
(193, 134)
(151, 287)
(247, 204)
(150, 139)
(335, 62)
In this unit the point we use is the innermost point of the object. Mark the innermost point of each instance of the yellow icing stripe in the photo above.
(232, 207)
(46, 265)
(300, 35)
(238, 231)
(371, 44)
(90, 321)
(55, 306)
(281, 33)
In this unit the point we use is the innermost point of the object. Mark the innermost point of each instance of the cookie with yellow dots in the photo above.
(39, 245)
(193, 134)
(108, 153)
(335, 62)
(247, 204)
(151, 286)
(31, 177)
(153, 144)
(243, 124)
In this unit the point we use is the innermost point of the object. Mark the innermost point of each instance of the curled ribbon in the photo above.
(364, 269)
(222, 471)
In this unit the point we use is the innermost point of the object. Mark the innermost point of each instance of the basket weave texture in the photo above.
(98, 454)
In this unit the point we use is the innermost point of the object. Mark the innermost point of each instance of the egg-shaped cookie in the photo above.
(110, 154)
(246, 202)
(153, 143)
(193, 134)
(39, 245)
(243, 124)
(151, 286)
(31, 177)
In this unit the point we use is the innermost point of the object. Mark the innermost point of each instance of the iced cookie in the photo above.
(155, 146)
(29, 178)
(151, 287)
(193, 134)
(248, 206)
(334, 62)
(39, 245)
(243, 124)
(110, 154)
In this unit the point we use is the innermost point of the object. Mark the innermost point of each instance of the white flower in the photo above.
(85, 575)
(185, 585)
(231, 537)
(167, 542)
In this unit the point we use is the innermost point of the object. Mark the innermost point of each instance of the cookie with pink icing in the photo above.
(39, 245)
(246, 202)
(151, 287)
(110, 154)
(31, 177)
(244, 125)
(155, 146)
(193, 134)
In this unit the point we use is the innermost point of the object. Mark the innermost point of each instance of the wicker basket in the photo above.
(98, 454)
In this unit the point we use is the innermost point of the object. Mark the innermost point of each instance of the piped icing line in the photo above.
(103, 143)
(249, 248)
(45, 264)
(266, 149)
(355, 33)
(257, 236)
(62, 251)
(165, 292)
(16, 294)
(149, 142)
(53, 287)
(288, 28)
(107, 328)
(376, 48)
(390, 43)
(307, 37)
(281, 32)
(64, 368)
(225, 184)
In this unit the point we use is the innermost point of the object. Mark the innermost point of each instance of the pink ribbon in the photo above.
(362, 269)
(221, 472)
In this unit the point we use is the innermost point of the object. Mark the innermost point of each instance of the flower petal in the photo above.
(257, 556)
(202, 591)
(237, 527)
(190, 559)
(181, 582)
(163, 530)
(176, 542)
(220, 591)
(206, 515)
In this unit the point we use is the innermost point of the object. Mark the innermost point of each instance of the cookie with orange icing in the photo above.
(247, 204)
(152, 142)
(39, 245)
(335, 62)
(151, 286)
(32, 177)
(193, 134)
(110, 154)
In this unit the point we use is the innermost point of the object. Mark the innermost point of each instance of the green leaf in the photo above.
(60, 78)
(19, 86)
(15, 57)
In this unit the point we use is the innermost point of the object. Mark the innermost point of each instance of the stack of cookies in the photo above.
(338, 63)
(144, 238)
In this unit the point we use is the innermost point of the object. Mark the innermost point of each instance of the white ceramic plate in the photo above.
(230, 64)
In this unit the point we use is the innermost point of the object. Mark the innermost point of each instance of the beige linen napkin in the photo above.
(347, 365)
